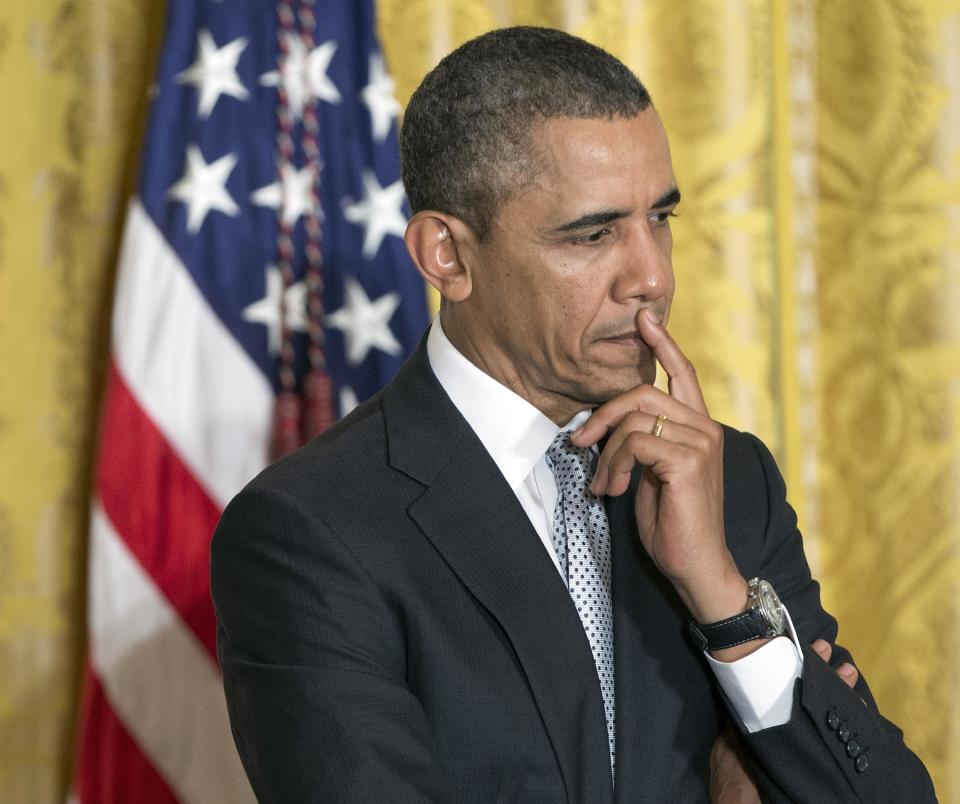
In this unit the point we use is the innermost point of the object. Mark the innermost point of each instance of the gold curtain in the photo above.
(73, 84)
(817, 144)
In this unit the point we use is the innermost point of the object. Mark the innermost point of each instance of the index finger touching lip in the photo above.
(683, 381)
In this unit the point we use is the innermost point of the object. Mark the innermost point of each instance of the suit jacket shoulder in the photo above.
(382, 598)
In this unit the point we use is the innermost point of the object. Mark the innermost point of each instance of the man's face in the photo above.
(572, 259)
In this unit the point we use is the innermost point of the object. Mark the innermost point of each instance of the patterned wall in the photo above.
(73, 83)
(817, 143)
(888, 279)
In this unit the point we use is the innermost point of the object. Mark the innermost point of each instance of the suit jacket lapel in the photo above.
(647, 625)
(474, 520)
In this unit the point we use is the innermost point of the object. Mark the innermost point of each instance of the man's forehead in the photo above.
(586, 165)
(597, 131)
(563, 146)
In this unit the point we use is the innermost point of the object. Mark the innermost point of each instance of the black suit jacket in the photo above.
(391, 629)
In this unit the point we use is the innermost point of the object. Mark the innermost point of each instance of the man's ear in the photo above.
(438, 243)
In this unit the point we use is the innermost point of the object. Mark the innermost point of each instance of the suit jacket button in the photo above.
(833, 720)
(853, 747)
(862, 763)
(843, 732)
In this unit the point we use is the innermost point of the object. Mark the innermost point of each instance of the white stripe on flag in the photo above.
(159, 679)
(197, 384)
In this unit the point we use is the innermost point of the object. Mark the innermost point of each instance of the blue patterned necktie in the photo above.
(581, 536)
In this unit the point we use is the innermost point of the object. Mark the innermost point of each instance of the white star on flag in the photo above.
(204, 187)
(348, 400)
(266, 311)
(304, 75)
(214, 73)
(365, 324)
(379, 213)
(379, 99)
(293, 194)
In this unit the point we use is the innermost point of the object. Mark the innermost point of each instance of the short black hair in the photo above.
(465, 140)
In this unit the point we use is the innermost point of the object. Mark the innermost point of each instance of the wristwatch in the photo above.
(762, 619)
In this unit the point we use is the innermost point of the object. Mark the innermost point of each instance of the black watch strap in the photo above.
(742, 627)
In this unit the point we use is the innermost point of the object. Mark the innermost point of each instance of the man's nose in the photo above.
(646, 272)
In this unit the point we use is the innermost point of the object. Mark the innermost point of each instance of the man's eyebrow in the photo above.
(592, 219)
(668, 199)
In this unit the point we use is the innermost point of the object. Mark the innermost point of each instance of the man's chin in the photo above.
(608, 387)
(623, 364)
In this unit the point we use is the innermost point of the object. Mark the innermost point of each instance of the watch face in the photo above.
(770, 605)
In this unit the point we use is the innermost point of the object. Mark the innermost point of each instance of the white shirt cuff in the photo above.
(760, 686)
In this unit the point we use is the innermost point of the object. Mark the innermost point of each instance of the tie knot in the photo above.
(570, 464)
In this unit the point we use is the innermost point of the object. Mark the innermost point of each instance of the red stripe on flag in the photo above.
(157, 507)
(110, 765)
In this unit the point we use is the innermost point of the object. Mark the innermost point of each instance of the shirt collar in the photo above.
(514, 432)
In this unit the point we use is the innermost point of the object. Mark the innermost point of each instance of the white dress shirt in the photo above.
(516, 435)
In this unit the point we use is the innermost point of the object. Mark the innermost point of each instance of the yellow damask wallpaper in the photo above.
(73, 80)
(888, 275)
(817, 144)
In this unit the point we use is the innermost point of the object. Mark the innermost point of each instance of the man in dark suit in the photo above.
(520, 572)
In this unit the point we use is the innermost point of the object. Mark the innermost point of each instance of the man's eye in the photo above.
(663, 217)
(590, 239)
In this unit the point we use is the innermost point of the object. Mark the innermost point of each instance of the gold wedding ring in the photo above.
(658, 427)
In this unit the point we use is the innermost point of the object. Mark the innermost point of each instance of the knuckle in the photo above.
(716, 431)
(705, 442)
(646, 394)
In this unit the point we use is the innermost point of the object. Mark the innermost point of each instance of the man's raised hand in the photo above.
(679, 502)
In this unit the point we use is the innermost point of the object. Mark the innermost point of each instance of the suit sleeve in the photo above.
(836, 745)
(313, 663)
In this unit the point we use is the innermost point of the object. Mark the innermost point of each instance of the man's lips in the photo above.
(628, 343)
(629, 337)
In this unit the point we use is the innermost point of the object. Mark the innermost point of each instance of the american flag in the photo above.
(263, 289)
